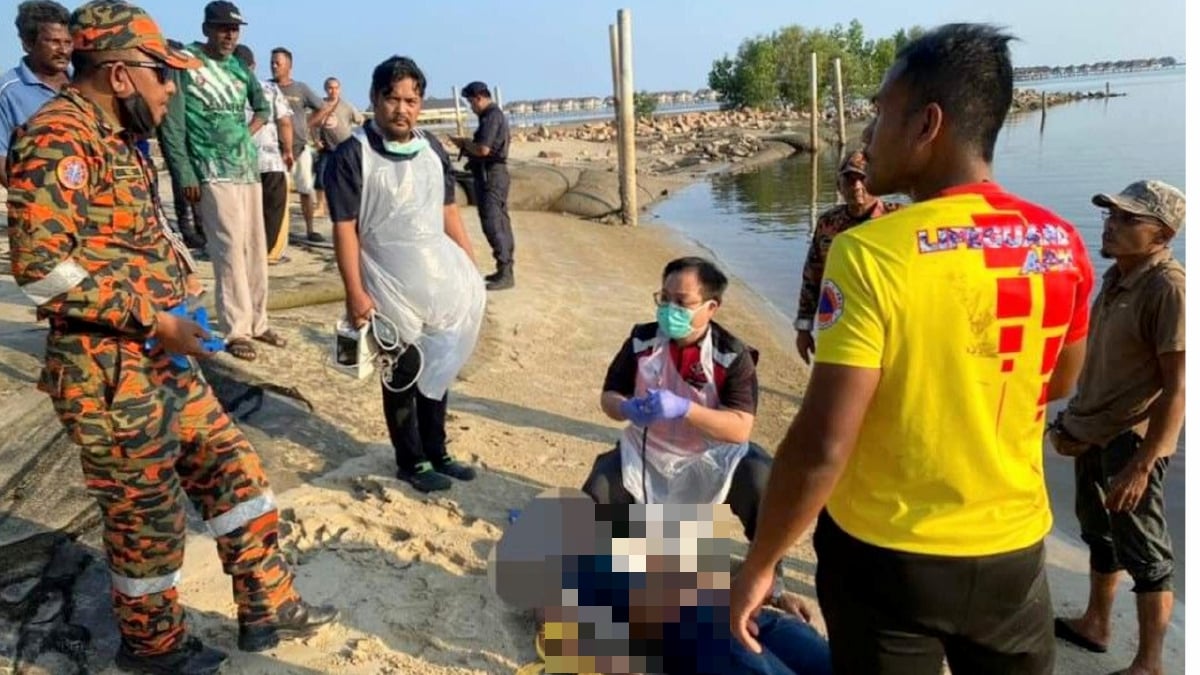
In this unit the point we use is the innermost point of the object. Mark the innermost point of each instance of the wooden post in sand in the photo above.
(1043, 128)
(841, 104)
(813, 95)
(614, 50)
(458, 120)
(628, 158)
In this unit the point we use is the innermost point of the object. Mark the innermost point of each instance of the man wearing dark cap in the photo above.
(90, 250)
(860, 207)
(208, 142)
(488, 155)
(1124, 422)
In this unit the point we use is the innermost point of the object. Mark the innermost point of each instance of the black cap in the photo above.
(476, 88)
(223, 13)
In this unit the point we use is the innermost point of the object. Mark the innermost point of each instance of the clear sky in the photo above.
(558, 48)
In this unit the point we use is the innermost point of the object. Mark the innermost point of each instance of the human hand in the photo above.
(192, 193)
(806, 345)
(1127, 488)
(667, 405)
(359, 308)
(180, 336)
(288, 160)
(793, 604)
(750, 590)
(636, 411)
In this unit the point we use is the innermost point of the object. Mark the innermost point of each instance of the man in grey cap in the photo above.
(1124, 422)
(488, 156)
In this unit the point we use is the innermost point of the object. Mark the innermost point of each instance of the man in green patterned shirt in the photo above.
(210, 145)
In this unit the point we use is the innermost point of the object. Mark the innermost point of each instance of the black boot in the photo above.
(295, 619)
(448, 466)
(503, 280)
(190, 658)
(424, 478)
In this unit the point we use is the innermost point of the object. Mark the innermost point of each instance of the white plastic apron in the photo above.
(683, 466)
(416, 275)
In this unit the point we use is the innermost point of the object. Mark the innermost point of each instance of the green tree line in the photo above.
(772, 71)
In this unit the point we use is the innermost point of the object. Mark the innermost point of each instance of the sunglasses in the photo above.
(162, 70)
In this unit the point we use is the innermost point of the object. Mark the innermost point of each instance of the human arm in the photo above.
(45, 215)
(1167, 335)
(819, 443)
(807, 466)
(258, 103)
(173, 139)
(283, 121)
(343, 192)
(455, 230)
(620, 383)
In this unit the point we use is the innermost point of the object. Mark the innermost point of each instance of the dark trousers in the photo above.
(892, 612)
(604, 484)
(491, 195)
(1138, 540)
(416, 423)
(187, 214)
(274, 199)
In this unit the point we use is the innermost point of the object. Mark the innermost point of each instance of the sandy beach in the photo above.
(408, 570)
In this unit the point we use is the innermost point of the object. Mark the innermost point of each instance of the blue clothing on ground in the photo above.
(21, 94)
(790, 647)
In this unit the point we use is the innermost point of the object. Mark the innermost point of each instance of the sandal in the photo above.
(272, 338)
(241, 348)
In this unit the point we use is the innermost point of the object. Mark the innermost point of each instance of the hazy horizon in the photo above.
(546, 49)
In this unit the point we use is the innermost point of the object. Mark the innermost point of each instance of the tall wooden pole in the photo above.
(813, 96)
(628, 130)
(841, 104)
(458, 118)
(1043, 127)
(614, 50)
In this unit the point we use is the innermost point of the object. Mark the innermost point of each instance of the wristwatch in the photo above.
(805, 325)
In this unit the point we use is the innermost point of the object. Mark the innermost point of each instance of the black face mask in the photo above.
(135, 116)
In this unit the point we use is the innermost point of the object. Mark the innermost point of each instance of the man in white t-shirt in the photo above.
(275, 159)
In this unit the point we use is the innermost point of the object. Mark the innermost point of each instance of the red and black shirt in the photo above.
(733, 365)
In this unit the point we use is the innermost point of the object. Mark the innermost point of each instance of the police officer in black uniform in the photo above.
(487, 155)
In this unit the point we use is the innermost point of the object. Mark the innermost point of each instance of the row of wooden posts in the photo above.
(620, 41)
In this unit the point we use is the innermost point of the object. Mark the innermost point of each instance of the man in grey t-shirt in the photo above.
(303, 100)
(332, 124)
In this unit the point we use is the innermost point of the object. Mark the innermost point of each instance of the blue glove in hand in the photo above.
(637, 411)
(667, 405)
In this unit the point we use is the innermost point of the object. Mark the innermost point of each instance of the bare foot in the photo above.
(1092, 630)
(1137, 669)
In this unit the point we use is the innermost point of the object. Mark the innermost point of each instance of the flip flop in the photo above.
(241, 348)
(1063, 631)
(272, 338)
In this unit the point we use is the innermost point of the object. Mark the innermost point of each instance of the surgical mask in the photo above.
(675, 321)
(134, 114)
(412, 147)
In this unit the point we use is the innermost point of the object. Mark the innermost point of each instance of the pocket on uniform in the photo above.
(134, 403)
(77, 389)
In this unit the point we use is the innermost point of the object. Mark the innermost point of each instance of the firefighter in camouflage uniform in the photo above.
(90, 249)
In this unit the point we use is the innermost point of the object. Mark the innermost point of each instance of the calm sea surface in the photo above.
(758, 223)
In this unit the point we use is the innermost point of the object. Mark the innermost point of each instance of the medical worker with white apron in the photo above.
(408, 268)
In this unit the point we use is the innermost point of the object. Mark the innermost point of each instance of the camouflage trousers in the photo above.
(153, 435)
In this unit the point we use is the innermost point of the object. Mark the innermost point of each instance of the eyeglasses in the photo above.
(661, 299)
(1126, 218)
(161, 69)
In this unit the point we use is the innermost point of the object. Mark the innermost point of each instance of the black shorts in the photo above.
(892, 612)
(1136, 541)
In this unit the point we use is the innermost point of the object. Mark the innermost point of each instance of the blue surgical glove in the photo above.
(667, 405)
(637, 411)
